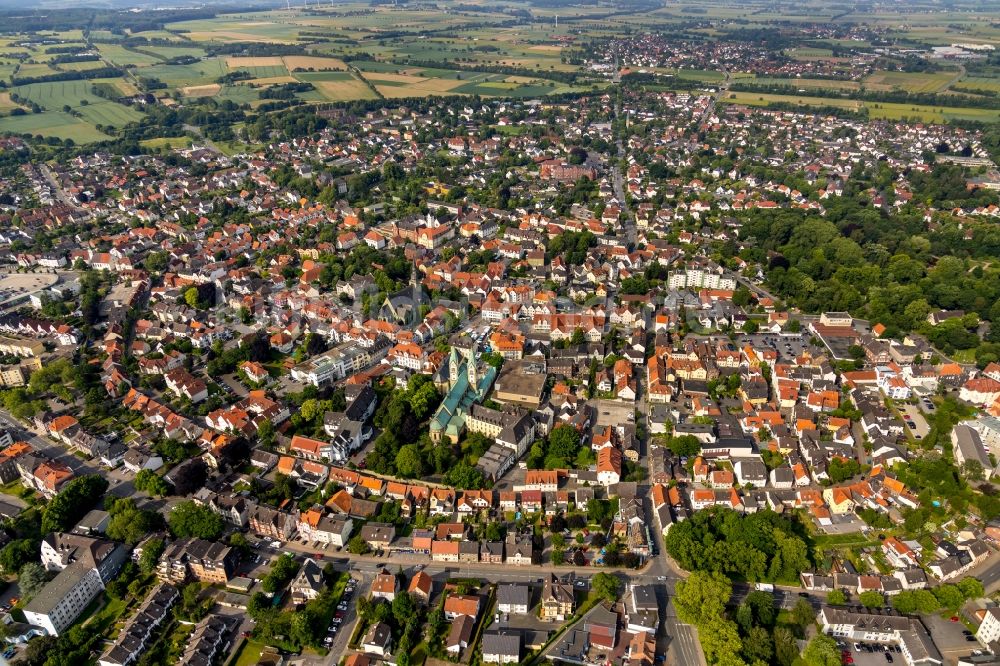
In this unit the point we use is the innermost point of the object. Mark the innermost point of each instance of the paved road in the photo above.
(339, 646)
(988, 573)
(44, 445)
(617, 182)
(60, 193)
(683, 647)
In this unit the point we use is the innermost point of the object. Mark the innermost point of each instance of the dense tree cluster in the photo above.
(73, 502)
(758, 547)
(190, 519)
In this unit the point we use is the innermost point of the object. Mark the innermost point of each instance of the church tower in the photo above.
(454, 364)
(470, 361)
(416, 295)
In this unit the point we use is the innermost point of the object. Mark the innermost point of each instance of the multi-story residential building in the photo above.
(205, 561)
(513, 598)
(340, 362)
(213, 636)
(989, 629)
(308, 583)
(501, 647)
(83, 576)
(132, 641)
(557, 600)
(272, 523)
(316, 525)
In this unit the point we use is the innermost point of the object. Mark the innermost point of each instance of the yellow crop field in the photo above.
(341, 91)
(273, 80)
(235, 62)
(201, 91)
(383, 77)
(6, 104)
(233, 36)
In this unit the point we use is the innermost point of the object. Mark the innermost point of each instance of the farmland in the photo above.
(358, 51)
(77, 96)
(885, 110)
(911, 82)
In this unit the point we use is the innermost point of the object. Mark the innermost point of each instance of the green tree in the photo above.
(189, 519)
(685, 445)
(150, 482)
(31, 579)
(191, 298)
(702, 596)
(916, 601)
(871, 599)
(758, 645)
(409, 462)
(150, 557)
(564, 441)
(75, 499)
(821, 651)
(403, 608)
(720, 641)
(803, 613)
(358, 546)
(971, 588)
(16, 554)
(786, 649)
(836, 598)
(841, 470)
(282, 571)
(950, 596)
(131, 524)
(606, 586)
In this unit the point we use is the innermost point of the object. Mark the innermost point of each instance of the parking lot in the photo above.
(949, 637)
(787, 346)
(915, 421)
(342, 623)
(874, 655)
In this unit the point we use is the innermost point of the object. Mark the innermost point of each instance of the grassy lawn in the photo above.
(103, 612)
(823, 541)
(964, 355)
(15, 488)
(248, 653)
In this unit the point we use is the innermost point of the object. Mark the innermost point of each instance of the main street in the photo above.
(683, 647)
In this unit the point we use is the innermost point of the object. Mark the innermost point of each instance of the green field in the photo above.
(883, 110)
(807, 84)
(913, 82)
(122, 56)
(76, 94)
(238, 94)
(267, 72)
(324, 76)
(168, 52)
(52, 123)
(167, 142)
(980, 83)
(178, 76)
